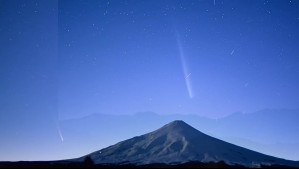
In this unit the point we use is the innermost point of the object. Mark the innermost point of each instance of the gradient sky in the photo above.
(122, 57)
(70, 58)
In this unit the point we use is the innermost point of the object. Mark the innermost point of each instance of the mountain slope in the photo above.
(177, 142)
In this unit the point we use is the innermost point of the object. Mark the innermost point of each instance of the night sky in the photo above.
(67, 59)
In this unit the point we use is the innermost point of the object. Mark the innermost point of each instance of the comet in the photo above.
(185, 67)
(60, 134)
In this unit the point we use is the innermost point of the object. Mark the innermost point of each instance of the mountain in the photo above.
(272, 131)
(177, 143)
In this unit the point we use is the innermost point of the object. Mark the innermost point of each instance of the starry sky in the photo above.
(71, 58)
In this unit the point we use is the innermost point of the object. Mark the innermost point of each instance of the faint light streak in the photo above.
(232, 52)
(214, 2)
(187, 75)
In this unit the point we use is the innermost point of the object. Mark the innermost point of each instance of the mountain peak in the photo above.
(178, 127)
(177, 122)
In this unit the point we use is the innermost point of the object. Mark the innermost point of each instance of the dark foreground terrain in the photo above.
(89, 164)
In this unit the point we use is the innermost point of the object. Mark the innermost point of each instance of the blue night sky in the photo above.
(68, 59)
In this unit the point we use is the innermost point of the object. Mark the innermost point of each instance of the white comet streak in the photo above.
(185, 67)
(60, 134)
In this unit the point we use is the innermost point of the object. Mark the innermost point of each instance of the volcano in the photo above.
(178, 143)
